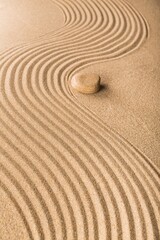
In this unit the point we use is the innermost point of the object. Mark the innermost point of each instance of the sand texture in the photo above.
(79, 166)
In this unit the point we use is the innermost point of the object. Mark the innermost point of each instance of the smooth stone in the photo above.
(86, 83)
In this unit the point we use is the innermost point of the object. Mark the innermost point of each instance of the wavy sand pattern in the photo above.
(68, 175)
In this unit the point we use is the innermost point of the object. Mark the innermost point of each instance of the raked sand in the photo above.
(75, 166)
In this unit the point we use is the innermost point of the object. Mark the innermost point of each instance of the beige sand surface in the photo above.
(23, 21)
(73, 166)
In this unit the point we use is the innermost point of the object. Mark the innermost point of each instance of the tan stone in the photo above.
(86, 83)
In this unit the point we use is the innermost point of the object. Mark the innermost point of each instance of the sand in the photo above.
(76, 166)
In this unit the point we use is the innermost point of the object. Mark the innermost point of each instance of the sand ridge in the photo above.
(66, 172)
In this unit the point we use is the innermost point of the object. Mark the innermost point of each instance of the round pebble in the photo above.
(86, 83)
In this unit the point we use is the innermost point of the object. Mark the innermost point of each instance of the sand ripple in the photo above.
(68, 174)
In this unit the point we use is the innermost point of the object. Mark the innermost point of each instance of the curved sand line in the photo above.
(75, 178)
